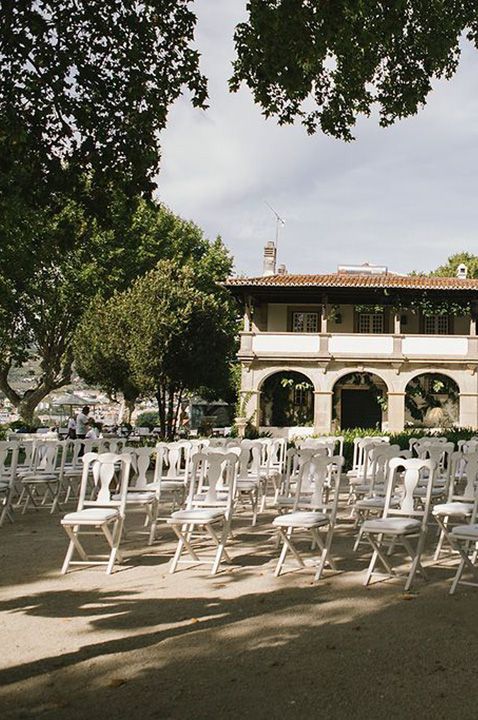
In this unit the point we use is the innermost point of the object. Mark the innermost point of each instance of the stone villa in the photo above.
(356, 348)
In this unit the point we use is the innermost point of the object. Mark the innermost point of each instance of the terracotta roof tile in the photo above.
(412, 282)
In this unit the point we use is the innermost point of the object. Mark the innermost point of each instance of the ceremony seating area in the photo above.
(403, 510)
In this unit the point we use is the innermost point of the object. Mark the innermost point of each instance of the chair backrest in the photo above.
(107, 470)
(47, 455)
(141, 458)
(415, 471)
(441, 454)
(361, 447)
(210, 473)
(379, 458)
(317, 477)
(249, 460)
(464, 476)
(8, 461)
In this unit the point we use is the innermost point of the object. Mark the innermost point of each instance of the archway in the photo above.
(432, 400)
(287, 400)
(360, 400)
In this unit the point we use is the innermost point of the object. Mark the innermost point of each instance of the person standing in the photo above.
(82, 421)
(71, 428)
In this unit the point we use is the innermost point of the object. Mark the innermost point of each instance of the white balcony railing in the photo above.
(359, 345)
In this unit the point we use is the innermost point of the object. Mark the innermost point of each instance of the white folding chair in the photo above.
(102, 515)
(8, 469)
(464, 539)
(143, 491)
(42, 485)
(404, 523)
(210, 502)
(248, 482)
(319, 479)
(461, 496)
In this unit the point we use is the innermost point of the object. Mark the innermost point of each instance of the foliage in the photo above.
(280, 390)
(148, 418)
(87, 84)
(63, 276)
(327, 63)
(182, 329)
(422, 391)
(172, 332)
(449, 269)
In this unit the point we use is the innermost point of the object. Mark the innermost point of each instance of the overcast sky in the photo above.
(405, 197)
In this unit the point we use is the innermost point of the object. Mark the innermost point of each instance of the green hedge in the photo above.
(401, 438)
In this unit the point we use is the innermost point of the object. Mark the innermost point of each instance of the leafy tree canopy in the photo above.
(172, 332)
(326, 63)
(87, 84)
(449, 269)
(71, 259)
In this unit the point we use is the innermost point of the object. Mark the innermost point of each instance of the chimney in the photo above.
(462, 271)
(269, 267)
(282, 270)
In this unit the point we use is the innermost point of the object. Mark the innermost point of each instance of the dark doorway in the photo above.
(360, 409)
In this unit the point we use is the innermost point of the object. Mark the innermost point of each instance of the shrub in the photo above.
(149, 419)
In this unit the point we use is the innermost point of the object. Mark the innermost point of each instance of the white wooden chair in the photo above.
(401, 525)
(143, 491)
(102, 515)
(372, 494)
(319, 481)
(43, 483)
(461, 496)
(286, 497)
(209, 504)
(172, 470)
(8, 469)
(248, 482)
(464, 539)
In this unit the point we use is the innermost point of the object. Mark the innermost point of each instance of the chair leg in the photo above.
(282, 556)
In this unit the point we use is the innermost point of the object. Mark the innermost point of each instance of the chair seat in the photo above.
(288, 501)
(139, 498)
(172, 484)
(39, 478)
(466, 532)
(247, 485)
(421, 491)
(90, 516)
(392, 526)
(196, 516)
(456, 509)
(375, 502)
(72, 472)
(305, 519)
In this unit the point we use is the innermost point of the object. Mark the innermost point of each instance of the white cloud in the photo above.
(404, 196)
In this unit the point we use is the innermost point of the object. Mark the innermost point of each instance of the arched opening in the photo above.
(432, 400)
(287, 400)
(360, 401)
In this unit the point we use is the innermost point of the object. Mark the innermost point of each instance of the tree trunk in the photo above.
(161, 411)
(129, 409)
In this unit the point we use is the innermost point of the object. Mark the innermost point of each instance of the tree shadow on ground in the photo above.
(293, 652)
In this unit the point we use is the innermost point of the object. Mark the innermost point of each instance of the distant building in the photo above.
(343, 349)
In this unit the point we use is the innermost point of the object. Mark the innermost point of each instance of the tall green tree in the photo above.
(326, 63)
(70, 259)
(87, 85)
(173, 332)
(449, 269)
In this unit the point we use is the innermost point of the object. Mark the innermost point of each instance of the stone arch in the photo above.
(360, 399)
(286, 399)
(335, 376)
(262, 375)
(428, 405)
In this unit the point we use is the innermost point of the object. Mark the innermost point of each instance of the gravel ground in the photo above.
(143, 643)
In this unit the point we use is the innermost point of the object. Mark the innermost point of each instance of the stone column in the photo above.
(396, 411)
(469, 410)
(323, 411)
(252, 401)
